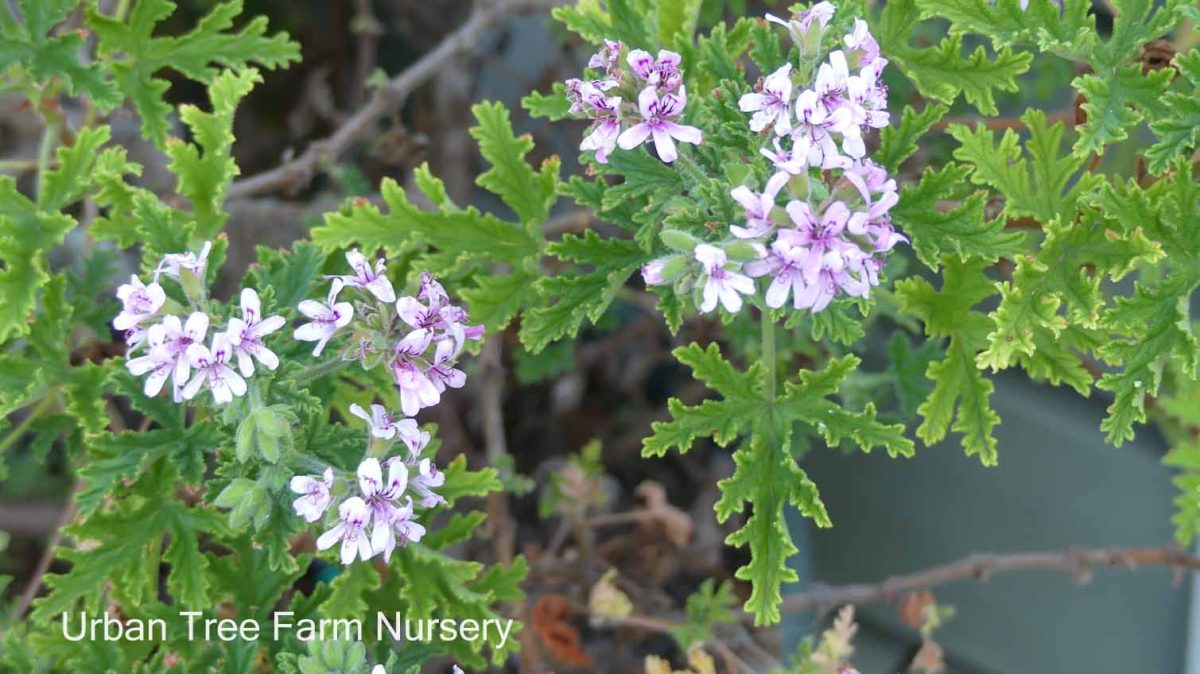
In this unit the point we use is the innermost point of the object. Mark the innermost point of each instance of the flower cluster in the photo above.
(641, 89)
(833, 232)
(172, 345)
(418, 337)
(381, 495)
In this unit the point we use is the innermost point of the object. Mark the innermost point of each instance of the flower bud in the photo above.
(743, 251)
(679, 240)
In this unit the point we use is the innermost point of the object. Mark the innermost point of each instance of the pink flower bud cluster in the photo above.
(818, 243)
(631, 101)
(419, 338)
(166, 345)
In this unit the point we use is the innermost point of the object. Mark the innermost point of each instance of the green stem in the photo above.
(122, 10)
(321, 369)
(19, 430)
(45, 150)
(690, 168)
(768, 355)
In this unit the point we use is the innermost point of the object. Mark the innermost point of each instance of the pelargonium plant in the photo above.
(248, 432)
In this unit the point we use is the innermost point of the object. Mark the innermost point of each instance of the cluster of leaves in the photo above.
(191, 511)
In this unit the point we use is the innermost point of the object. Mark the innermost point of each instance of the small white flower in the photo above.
(156, 365)
(374, 280)
(416, 389)
(327, 318)
(427, 479)
(721, 284)
(212, 369)
(138, 302)
(315, 497)
(773, 105)
(176, 337)
(379, 496)
(173, 263)
(383, 424)
(246, 334)
(353, 515)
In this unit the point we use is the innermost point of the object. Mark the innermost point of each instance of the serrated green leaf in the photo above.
(961, 231)
(205, 169)
(942, 72)
(898, 142)
(961, 393)
(1041, 185)
(136, 55)
(529, 193)
(1115, 101)
(1178, 127)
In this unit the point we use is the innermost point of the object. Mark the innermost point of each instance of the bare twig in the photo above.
(297, 172)
(491, 392)
(1077, 562)
(47, 558)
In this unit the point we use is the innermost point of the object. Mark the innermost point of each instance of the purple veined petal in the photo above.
(648, 103)
(335, 288)
(193, 385)
(330, 538)
(801, 214)
(237, 330)
(835, 216)
(196, 326)
(747, 199)
(251, 306)
(752, 102)
(685, 134)
(344, 312)
(370, 477)
(312, 308)
(633, 136)
(233, 380)
(199, 355)
(267, 357)
(311, 332)
(411, 311)
(778, 292)
(640, 61)
(664, 146)
(268, 325)
(245, 362)
(382, 289)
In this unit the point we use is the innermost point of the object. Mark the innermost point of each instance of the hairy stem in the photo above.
(768, 355)
(15, 434)
(318, 370)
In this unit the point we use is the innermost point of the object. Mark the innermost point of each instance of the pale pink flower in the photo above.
(246, 334)
(773, 104)
(374, 280)
(139, 301)
(353, 515)
(213, 371)
(416, 390)
(314, 495)
(657, 123)
(758, 207)
(658, 72)
(721, 283)
(157, 365)
(174, 263)
(427, 479)
(383, 424)
(327, 318)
